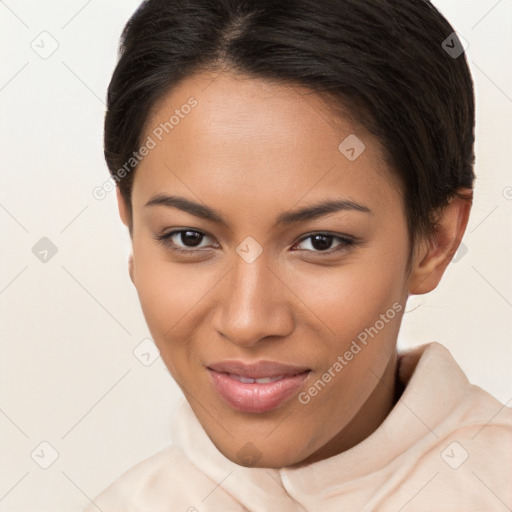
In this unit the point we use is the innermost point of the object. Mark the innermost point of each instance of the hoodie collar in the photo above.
(426, 372)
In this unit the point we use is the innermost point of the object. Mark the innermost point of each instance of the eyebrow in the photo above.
(310, 212)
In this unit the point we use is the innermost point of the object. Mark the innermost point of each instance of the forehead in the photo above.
(254, 112)
(220, 134)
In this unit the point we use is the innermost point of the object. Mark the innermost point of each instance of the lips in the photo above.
(258, 387)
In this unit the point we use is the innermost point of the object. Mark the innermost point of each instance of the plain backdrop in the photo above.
(71, 325)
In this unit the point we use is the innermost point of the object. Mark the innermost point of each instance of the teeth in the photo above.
(248, 380)
(266, 380)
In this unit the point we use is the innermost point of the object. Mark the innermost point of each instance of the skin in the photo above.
(252, 150)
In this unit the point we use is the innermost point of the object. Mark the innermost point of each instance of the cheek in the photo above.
(168, 291)
(359, 303)
(349, 298)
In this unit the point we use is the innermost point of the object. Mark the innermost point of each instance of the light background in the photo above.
(68, 374)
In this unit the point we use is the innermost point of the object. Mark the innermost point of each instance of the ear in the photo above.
(130, 268)
(124, 213)
(433, 255)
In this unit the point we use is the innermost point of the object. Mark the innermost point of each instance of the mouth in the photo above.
(259, 387)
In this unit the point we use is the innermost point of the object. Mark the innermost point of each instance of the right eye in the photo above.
(183, 240)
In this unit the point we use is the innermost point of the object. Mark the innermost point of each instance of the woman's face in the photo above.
(247, 291)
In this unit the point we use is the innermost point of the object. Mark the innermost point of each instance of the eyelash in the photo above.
(345, 242)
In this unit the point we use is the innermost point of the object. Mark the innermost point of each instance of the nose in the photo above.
(254, 304)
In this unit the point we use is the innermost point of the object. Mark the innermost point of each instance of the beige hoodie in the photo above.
(445, 446)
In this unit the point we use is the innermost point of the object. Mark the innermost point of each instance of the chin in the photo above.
(252, 456)
(263, 462)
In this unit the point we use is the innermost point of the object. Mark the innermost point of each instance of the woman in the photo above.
(290, 172)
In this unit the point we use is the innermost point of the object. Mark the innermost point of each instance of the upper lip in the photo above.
(258, 370)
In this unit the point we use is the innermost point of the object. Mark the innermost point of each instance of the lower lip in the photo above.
(254, 397)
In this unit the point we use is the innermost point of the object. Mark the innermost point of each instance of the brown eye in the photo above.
(190, 238)
(183, 240)
(323, 242)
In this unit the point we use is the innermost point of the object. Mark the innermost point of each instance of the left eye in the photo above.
(322, 242)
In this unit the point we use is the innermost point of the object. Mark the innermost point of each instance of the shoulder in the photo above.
(463, 458)
(166, 478)
(478, 453)
(466, 464)
(125, 492)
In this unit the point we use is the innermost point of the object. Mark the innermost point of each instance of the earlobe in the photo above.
(434, 254)
(130, 268)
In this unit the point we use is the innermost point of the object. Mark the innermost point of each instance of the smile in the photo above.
(256, 388)
(248, 380)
